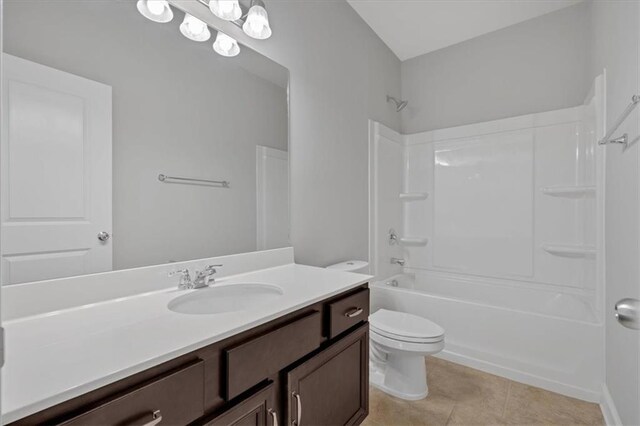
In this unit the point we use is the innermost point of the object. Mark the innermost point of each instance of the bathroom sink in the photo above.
(219, 299)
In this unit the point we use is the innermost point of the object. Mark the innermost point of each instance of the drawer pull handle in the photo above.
(354, 312)
(274, 415)
(296, 395)
(157, 418)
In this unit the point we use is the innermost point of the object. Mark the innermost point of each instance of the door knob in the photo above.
(103, 236)
(628, 313)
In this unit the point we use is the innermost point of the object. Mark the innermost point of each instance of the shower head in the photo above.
(400, 105)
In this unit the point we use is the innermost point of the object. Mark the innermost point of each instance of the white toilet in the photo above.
(398, 344)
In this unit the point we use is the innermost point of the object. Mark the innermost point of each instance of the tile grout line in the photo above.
(506, 400)
(451, 413)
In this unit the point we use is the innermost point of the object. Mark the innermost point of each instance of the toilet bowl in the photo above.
(398, 344)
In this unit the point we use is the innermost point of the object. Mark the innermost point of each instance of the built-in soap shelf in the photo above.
(413, 196)
(575, 252)
(570, 191)
(413, 242)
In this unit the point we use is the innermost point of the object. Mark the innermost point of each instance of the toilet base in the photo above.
(401, 375)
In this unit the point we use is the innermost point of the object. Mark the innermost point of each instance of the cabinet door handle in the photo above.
(296, 395)
(354, 312)
(274, 416)
(156, 417)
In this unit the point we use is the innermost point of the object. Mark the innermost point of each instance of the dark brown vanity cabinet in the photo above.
(332, 388)
(306, 368)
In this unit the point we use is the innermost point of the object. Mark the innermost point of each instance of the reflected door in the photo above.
(56, 173)
(272, 189)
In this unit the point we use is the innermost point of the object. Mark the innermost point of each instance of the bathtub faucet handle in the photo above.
(393, 237)
(397, 261)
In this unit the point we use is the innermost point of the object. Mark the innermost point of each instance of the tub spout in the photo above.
(397, 261)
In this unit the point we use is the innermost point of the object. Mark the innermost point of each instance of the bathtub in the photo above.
(539, 337)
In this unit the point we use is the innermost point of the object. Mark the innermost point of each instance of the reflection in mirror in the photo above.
(99, 103)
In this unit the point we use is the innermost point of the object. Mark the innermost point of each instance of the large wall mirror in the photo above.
(125, 144)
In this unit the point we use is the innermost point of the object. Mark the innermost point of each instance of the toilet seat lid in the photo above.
(405, 325)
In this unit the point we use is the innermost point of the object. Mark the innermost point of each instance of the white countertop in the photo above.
(56, 356)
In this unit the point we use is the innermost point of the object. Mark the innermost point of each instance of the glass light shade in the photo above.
(229, 10)
(155, 10)
(194, 29)
(225, 45)
(257, 23)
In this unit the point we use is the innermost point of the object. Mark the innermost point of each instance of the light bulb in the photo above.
(226, 6)
(156, 7)
(225, 45)
(229, 10)
(155, 10)
(257, 23)
(194, 29)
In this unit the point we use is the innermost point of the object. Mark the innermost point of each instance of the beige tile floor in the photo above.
(460, 395)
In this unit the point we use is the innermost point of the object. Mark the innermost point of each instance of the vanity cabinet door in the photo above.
(257, 410)
(332, 388)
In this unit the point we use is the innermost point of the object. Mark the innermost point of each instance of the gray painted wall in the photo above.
(615, 47)
(340, 74)
(537, 65)
(178, 108)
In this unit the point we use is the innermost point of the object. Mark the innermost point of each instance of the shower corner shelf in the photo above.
(575, 252)
(413, 196)
(570, 191)
(414, 242)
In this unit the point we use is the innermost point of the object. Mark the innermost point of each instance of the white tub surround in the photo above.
(504, 245)
(57, 354)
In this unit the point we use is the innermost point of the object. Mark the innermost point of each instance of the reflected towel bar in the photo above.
(168, 179)
(624, 139)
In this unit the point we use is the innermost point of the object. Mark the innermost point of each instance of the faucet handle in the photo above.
(185, 278)
(209, 270)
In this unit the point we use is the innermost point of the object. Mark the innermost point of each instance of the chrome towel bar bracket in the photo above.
(624, 139)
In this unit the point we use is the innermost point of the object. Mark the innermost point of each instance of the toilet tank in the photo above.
(360, 266)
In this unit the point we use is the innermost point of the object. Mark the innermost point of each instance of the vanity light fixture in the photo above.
(225, 45)
(257, 23)
(194, 29)
(155, 10)
(229, 10)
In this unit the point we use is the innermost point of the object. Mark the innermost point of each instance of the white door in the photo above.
(272, 188)
(56, 173)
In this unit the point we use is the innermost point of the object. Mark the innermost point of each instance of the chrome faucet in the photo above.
(397, 261)
(185, 278)
(205, 277)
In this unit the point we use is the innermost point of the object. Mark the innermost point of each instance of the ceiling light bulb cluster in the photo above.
(255, 25)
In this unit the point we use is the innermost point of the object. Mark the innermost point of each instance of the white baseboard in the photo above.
(523, 377)
(609, 411)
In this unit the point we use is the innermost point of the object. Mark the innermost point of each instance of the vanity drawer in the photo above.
(174, 398)
(347, 312)
(251, 362)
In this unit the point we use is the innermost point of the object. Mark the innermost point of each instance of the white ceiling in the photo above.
(415, 27)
